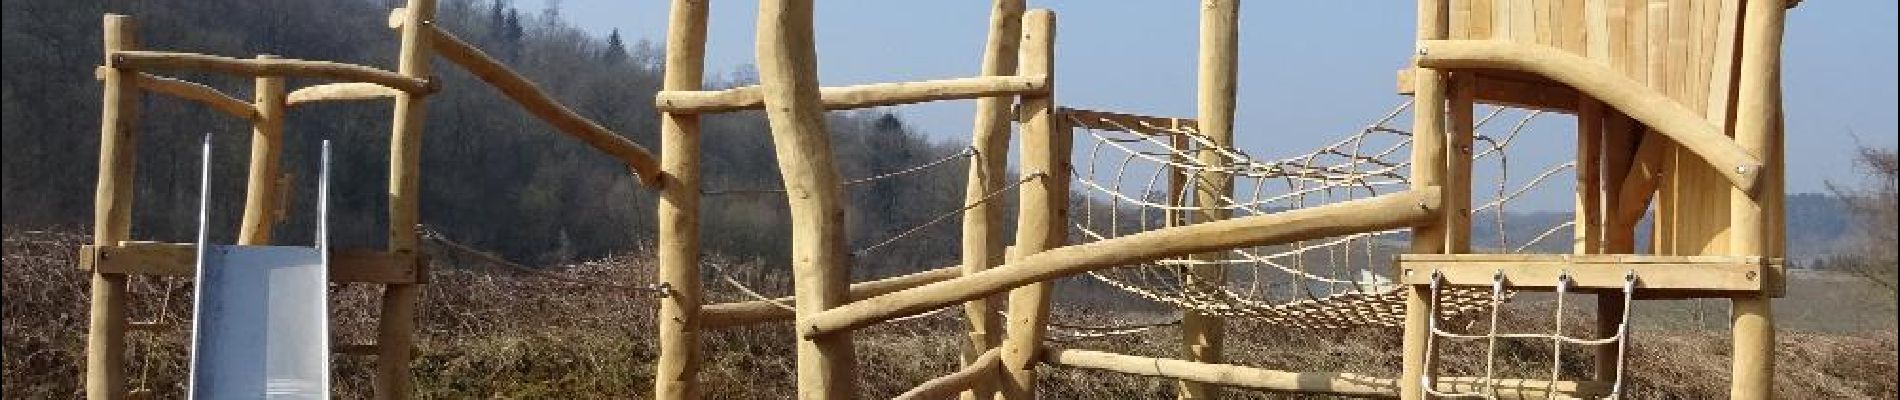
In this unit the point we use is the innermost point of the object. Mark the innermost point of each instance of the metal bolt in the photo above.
(1751, 275)
(1741, 169)
(1421, 50)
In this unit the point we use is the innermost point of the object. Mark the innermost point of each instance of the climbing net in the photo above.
(1145, 177)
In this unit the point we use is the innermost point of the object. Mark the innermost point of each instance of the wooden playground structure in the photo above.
(1678, 114)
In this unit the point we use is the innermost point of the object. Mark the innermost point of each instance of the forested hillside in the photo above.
(494, 177)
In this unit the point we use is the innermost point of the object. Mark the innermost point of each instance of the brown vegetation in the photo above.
(493, 333)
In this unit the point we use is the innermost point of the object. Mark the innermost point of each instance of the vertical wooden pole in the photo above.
(788, 72)
(982, 232)
(1042, 221)
(397, 324)
(676, 372)
(1757, 130)
(1588, 222)
(1618, 148)
(112, 214)
(261, 192)
(1202, 335)
(1461, 90)
(1429, 154)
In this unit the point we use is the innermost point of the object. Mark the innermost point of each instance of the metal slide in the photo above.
(260, 317)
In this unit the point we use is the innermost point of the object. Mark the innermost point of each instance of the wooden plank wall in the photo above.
(1682, 48)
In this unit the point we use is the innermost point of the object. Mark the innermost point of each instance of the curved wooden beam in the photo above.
(347, 91)
(1397, 210)
(858, 96)
(157, 60)
(1661, 114)
(947, 386)
(189, 90)
(542, 105)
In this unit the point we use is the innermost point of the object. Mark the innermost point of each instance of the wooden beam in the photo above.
(1203, 336)
(984, 366)
(167, 60)
(1639, 184)
(752, 312)
(1753, 214)
(1390, 211)
(983, 235)
(188, 90)
(788, 81)
(681, 320)
(542, 105)
(1131, 123)
(1659, 112)
(112, 213)
(347, 91)
(859, 96)
(396, 323)
(1508, 91)
(1597, 271)
(262, 198)
(181, 260)
(1310, 383)
(1430, 168)
(1042, 210)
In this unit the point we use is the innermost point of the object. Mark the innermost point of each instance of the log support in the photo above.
(1202, 335)
(680, 321)
(112, 215)
(395, 330)
(1042, 218)
(983, 245)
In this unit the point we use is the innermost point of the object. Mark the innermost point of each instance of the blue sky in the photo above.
(1310, 71)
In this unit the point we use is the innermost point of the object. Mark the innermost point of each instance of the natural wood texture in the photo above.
(1396, 210)
(262, 198)
(966, 380)
(347, 91)
(1103, 120)
(1587, 214)
(180, 260)
(166, 60)
(189, 91)
(1668, 117)
(681, 319)
(1754, 214)
(1510, 91)
(1460, 133)
(1639, 184)
(1596, 271)
(1042, 212)
(1429, 169)
(1617, 147)
(859, 96)
(1306, 383)
(983, 241)
(112, 214)
(1202, 335)
(543, 106)
(724, 315)
(396, 327)
(788, 76)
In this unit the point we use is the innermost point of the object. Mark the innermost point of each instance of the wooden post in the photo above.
(788, 75)
(1588, 222)
(1041, 222)
(676, 371)
(1202, 335)
(1461, 92)
(397, 323)
(982, 229)
(112, 214)
(1758, 131)
(261, 194)
(1429, 166)
(1618, 147)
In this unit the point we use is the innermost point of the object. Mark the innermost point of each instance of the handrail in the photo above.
(1397, 210)
(1652, 108)
(539, 103)
(167, 60)
(189, 90)
(858, 96)
(346, 91)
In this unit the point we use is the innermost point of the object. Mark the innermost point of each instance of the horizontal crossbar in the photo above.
(1718, 276)
(181, 260)
(1338, 383)
(859, 96)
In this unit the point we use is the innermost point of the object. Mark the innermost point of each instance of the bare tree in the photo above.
(1870, 248)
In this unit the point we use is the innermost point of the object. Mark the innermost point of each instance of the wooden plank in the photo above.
(1041, 219)
(1494, 88)
(681, 318)
(1596, 31)
(1736, 274)
(1310, 383)
(1481, 20)
(859, 96)
(1588, 211)
(1131, 123)
(1461, 131)
(180, 260)
(112, 212)
(538, 103)
(167, 60)
(1396, 210)
(347, 91)
(1666, 116)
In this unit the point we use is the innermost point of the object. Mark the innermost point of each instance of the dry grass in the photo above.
(498, 335)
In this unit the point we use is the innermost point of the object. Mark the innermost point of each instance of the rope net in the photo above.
(1138, 178)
